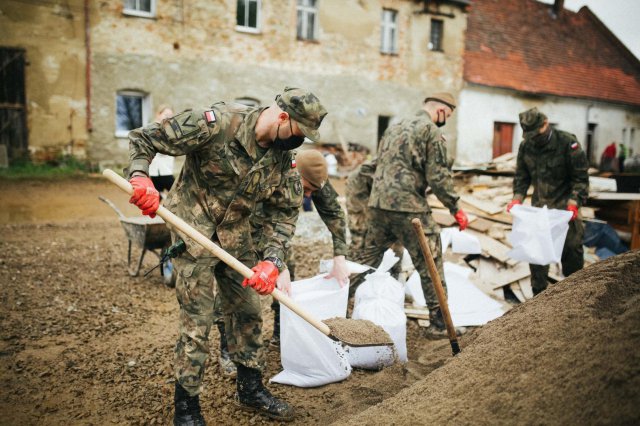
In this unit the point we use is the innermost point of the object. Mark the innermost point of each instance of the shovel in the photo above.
(437, 285)
(352, 332)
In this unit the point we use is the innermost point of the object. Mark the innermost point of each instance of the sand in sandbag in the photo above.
(358, 332)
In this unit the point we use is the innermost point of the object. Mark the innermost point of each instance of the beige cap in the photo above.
(313, 167)
(443, 97)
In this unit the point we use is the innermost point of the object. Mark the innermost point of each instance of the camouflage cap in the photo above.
(443, 97)
(313, 167)
(531, 120)
(303, 107)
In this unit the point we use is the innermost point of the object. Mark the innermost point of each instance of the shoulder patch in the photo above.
(210, 116)
(293, 163)
(575, 145)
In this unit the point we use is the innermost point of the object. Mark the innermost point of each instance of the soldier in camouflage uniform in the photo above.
(554, 162)
(412, 156)
(358, 189)
(236, 158)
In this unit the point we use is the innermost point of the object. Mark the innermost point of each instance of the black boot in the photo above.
(187, 409)
(227, 367)
(275, 338)
(437, 328)
(253, 396)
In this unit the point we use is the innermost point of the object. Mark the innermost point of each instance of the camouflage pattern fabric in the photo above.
(358, 189)
(557, 170)
(305, 108)
(326, 202)
(391, 227)
(412, 155)
(219, 188)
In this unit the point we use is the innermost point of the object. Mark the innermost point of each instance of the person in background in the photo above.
(161, 167)
(622, 156)
(555, 164)
(609, 160)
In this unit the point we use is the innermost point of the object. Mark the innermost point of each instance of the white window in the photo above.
(389, 31)
(248, 15)
(133, 110)
(307, 20)
(143, 8)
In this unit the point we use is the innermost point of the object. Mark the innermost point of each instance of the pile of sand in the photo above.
(569, 356)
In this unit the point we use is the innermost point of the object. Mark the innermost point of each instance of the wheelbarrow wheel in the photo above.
(169, 274)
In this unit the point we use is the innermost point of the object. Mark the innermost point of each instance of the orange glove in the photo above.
(264, 278)
(145, 195)
(462, 219)
(513, 203)
(573, 209)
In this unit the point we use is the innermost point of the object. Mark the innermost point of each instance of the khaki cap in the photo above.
(443, 97)
(531, 121)
(313, 167)
(303, 107)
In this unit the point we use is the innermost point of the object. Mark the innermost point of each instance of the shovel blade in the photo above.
(357, 333)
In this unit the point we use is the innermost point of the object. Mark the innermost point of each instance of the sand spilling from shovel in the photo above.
(358, 332)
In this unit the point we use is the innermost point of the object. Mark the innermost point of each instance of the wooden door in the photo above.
(502, 138)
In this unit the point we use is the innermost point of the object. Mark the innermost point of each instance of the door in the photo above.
(13, 110)
(502, 138)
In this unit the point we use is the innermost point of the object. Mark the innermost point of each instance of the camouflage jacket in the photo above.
(358, 187)
(331, 213)
(557, 170)
(412, 155)
(222, 180)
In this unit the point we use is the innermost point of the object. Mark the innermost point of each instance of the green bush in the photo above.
(61, 167)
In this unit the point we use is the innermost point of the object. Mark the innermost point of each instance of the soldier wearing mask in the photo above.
(555, 164)
(236, 157)
(413, 156)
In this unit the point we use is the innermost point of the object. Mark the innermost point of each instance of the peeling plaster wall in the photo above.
(481, 106)
(191, 54)
(52, 33)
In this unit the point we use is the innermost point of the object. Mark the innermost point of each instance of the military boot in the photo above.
(437, 328)
(187, 409)
(227, 367)
(275, 337)
(251, 395)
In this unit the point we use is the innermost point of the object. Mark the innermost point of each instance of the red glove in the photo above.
(462, 219)
(145, 195)
(513, 203)
(573, 209)
(264, 278)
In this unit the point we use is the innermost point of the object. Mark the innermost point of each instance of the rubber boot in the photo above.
(437, 328)
(275, 338)
(187, 409)
(251, 395)
(227, 367)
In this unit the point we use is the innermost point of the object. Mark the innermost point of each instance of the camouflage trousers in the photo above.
(572, 258)
(240, 308)
(357, 229)
(387, 227)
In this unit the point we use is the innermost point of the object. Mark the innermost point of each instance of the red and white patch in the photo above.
(293, 164)
(574, 145)
(210, 116)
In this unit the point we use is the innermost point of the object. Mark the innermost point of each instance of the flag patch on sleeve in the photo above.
(210, 116)
(293, 163)
(574, 145)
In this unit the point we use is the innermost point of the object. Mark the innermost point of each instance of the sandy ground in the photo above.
(82, 342)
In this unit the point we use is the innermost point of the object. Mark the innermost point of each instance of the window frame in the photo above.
(245, 28)
(389, 32)
(145, 109)
(138, 12)
(440, 47)
(305, 11)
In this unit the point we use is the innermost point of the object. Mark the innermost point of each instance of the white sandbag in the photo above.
(308, 357)
(413, 288)
(326, 265)
(538, 234)
(460, 241)
(388, 260)
(380, 285)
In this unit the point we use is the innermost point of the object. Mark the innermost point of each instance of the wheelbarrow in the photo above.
(149, 235)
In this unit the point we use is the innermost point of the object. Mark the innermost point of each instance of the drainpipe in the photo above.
(593, 148)
(558, 6)
(87, 46)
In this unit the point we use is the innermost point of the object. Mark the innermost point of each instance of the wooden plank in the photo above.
(424, 323)
(443, 218)
(494, 248)
(614, 196)
(483, 205)
(525, 287)
(480, 225)
(499, 293)
(498, 276)
(419, 313)
(515, 288)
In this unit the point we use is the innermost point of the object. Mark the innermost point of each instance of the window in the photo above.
(437, 29)
(132, 111)
(307, 20)
(248, 15)
(389, 30)
(144, 8)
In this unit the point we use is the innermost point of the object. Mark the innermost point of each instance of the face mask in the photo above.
(441, 119)
(542, 138)
(292, 142)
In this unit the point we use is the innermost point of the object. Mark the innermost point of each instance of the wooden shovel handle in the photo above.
(219, 252)
(437, 284)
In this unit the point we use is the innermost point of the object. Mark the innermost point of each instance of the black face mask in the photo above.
(292, 142)
(441, 121)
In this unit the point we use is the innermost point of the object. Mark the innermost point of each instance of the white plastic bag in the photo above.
(461, 241)
(538, 234)
(413, 288)
(308, 357)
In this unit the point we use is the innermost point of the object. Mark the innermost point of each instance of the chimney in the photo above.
(558, 5)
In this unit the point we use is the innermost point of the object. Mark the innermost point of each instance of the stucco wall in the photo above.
(481, 106)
